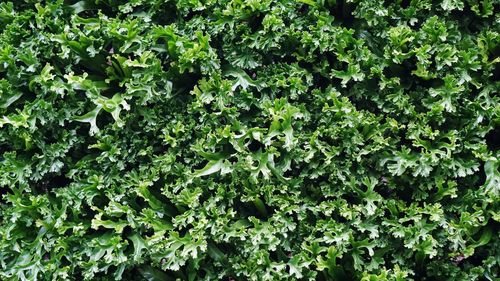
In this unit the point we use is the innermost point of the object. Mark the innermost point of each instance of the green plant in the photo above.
(249, 140)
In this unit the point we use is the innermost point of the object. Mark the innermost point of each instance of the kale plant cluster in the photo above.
(249, 140)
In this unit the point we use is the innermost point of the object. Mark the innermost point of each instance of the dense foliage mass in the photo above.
(249, 140)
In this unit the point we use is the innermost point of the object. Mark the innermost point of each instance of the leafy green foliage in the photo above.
(249, 140)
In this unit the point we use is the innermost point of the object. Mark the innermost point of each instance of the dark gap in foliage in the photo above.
(165, 14)
(470, 22)
(478, 258)
(201, 274)
(333, 61)
(312, 188)
(88, 14)
(138, 203)
(133, 273)
(404, 3)
(305, 64)
(190, 15)
(337, 84)
(287, 58)
(103, 120)
(51, 136)
(346, 270)
(255, 22)
(339, 219)
(395, 70)
(184, 230)
(255, 146)
(228, 149)
(274, 256)
(127, 231)
(147, 232)
(109, 8)
(27, 97)
(408, 67)
(493, 139)
(481, 174)
(365, 102)
(77, 153)
(113, 88)
(342, 11)
(208, 107)
(351, 197)
(45, 257)
(384, 189)
(49, 182)
(250, 114)
(199, 165)
(78, 274)
(304, 9)
(160, 148)
(465, 18)
(403, 140)
(100, 201)
(321, 82)
(185, 82)
(4, 147)
(86, 213)
(268, 59)
(291, 172)
(218, 45)
(402, 190)
(420, 270)
(64, 261)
